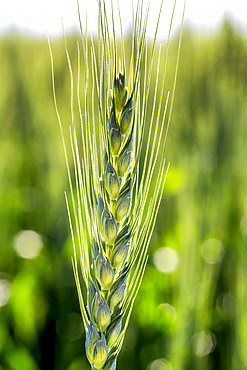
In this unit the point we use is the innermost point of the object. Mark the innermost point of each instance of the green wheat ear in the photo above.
(113, 207)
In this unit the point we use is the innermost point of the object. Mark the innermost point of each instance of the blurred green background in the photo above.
(191, 311)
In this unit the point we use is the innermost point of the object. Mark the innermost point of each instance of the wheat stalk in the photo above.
(113, 206)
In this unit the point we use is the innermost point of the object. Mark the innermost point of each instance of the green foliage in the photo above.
(191, 308)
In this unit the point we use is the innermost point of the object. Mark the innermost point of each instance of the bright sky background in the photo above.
(37, 16)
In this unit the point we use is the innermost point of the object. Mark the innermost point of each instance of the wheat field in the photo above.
(190, 312)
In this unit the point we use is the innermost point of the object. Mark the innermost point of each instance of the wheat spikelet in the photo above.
(113, 206)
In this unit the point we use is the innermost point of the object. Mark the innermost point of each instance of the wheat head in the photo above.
(113, 201)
